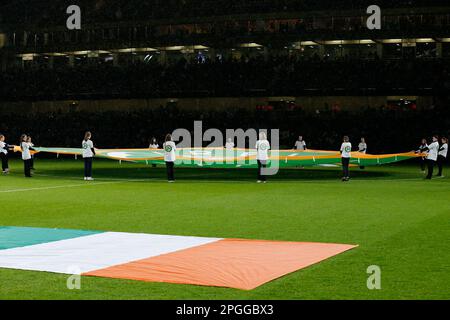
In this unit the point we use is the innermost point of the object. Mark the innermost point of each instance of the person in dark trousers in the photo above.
(88, 155)
(153, 145)
(30, 142)
(422, 149)
(4, 148)
(442, 155)
(362, 148)
(26, 155)
(432, 155)
(262, 156)
(346, 149)
(169, 157)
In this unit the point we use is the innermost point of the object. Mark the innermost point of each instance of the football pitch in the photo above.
(400, 222)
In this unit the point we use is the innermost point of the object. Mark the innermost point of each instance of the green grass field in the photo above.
(400, 222)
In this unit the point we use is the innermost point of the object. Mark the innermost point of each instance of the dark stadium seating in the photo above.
(244, 77)
(322, 129)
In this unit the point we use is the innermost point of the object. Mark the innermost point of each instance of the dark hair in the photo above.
(346, 138)
(443, 139)
(87, 135)
(168, 137)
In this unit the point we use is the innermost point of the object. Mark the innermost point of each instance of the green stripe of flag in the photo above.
(14, 237)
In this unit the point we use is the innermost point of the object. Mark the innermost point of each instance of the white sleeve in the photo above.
(257, 145)
(342, 147)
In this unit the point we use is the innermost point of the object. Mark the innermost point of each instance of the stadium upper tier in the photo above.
(40, 27)
(43, 11)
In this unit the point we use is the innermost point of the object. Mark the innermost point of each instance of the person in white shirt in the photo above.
(26, 155)
(362, 148)
(300, 144)
(30, 142)
(88, 153)
(229, 144)
(169, 157)
(422, 149)
(262, 155)
(346, 149)
(153, 144)
(4, 148)
(442, 155)
(432, 155)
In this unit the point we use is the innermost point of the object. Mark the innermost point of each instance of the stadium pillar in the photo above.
(321, 51)
(115, 59)
(266, 54)
(51, 61)
(438, 49)
(212, 54)
(71, 61)
(380, 50)
(163, 57)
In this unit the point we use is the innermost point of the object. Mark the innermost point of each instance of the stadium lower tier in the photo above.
(232, 158)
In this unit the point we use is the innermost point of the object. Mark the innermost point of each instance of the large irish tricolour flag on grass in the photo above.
(236, 263)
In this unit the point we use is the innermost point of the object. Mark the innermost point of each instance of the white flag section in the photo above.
(93, 252)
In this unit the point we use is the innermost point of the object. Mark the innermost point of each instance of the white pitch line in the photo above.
(58, 187)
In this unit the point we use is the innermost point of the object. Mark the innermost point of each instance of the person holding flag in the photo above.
(346, 149)
(169, 157)
(432, 156)
(4, 148)
(262, 156)
(442, 155)
(88, 155)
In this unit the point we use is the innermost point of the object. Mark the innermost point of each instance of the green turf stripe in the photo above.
(13, 237)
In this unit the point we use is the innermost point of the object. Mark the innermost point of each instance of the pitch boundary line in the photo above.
(59, 187)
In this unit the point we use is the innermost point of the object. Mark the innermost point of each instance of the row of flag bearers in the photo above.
(26, 146)
(436, 153)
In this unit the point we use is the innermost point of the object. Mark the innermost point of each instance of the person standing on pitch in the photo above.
(169, 157)
(88, 155)
(229, 144)
(30, 142)
(346, 149)
(4, 148)
(433, 149)
(362, 148)
(26, 155)
(153, 144)
(262, 155)
(422, 149)
(442, 155)
(300, 144)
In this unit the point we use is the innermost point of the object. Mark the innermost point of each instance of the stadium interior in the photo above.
(255, 62)
(138, 69)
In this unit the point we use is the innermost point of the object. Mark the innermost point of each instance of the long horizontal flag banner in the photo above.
(235, 263)
(236, 157)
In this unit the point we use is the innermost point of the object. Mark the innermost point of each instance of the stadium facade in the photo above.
(320, 51)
